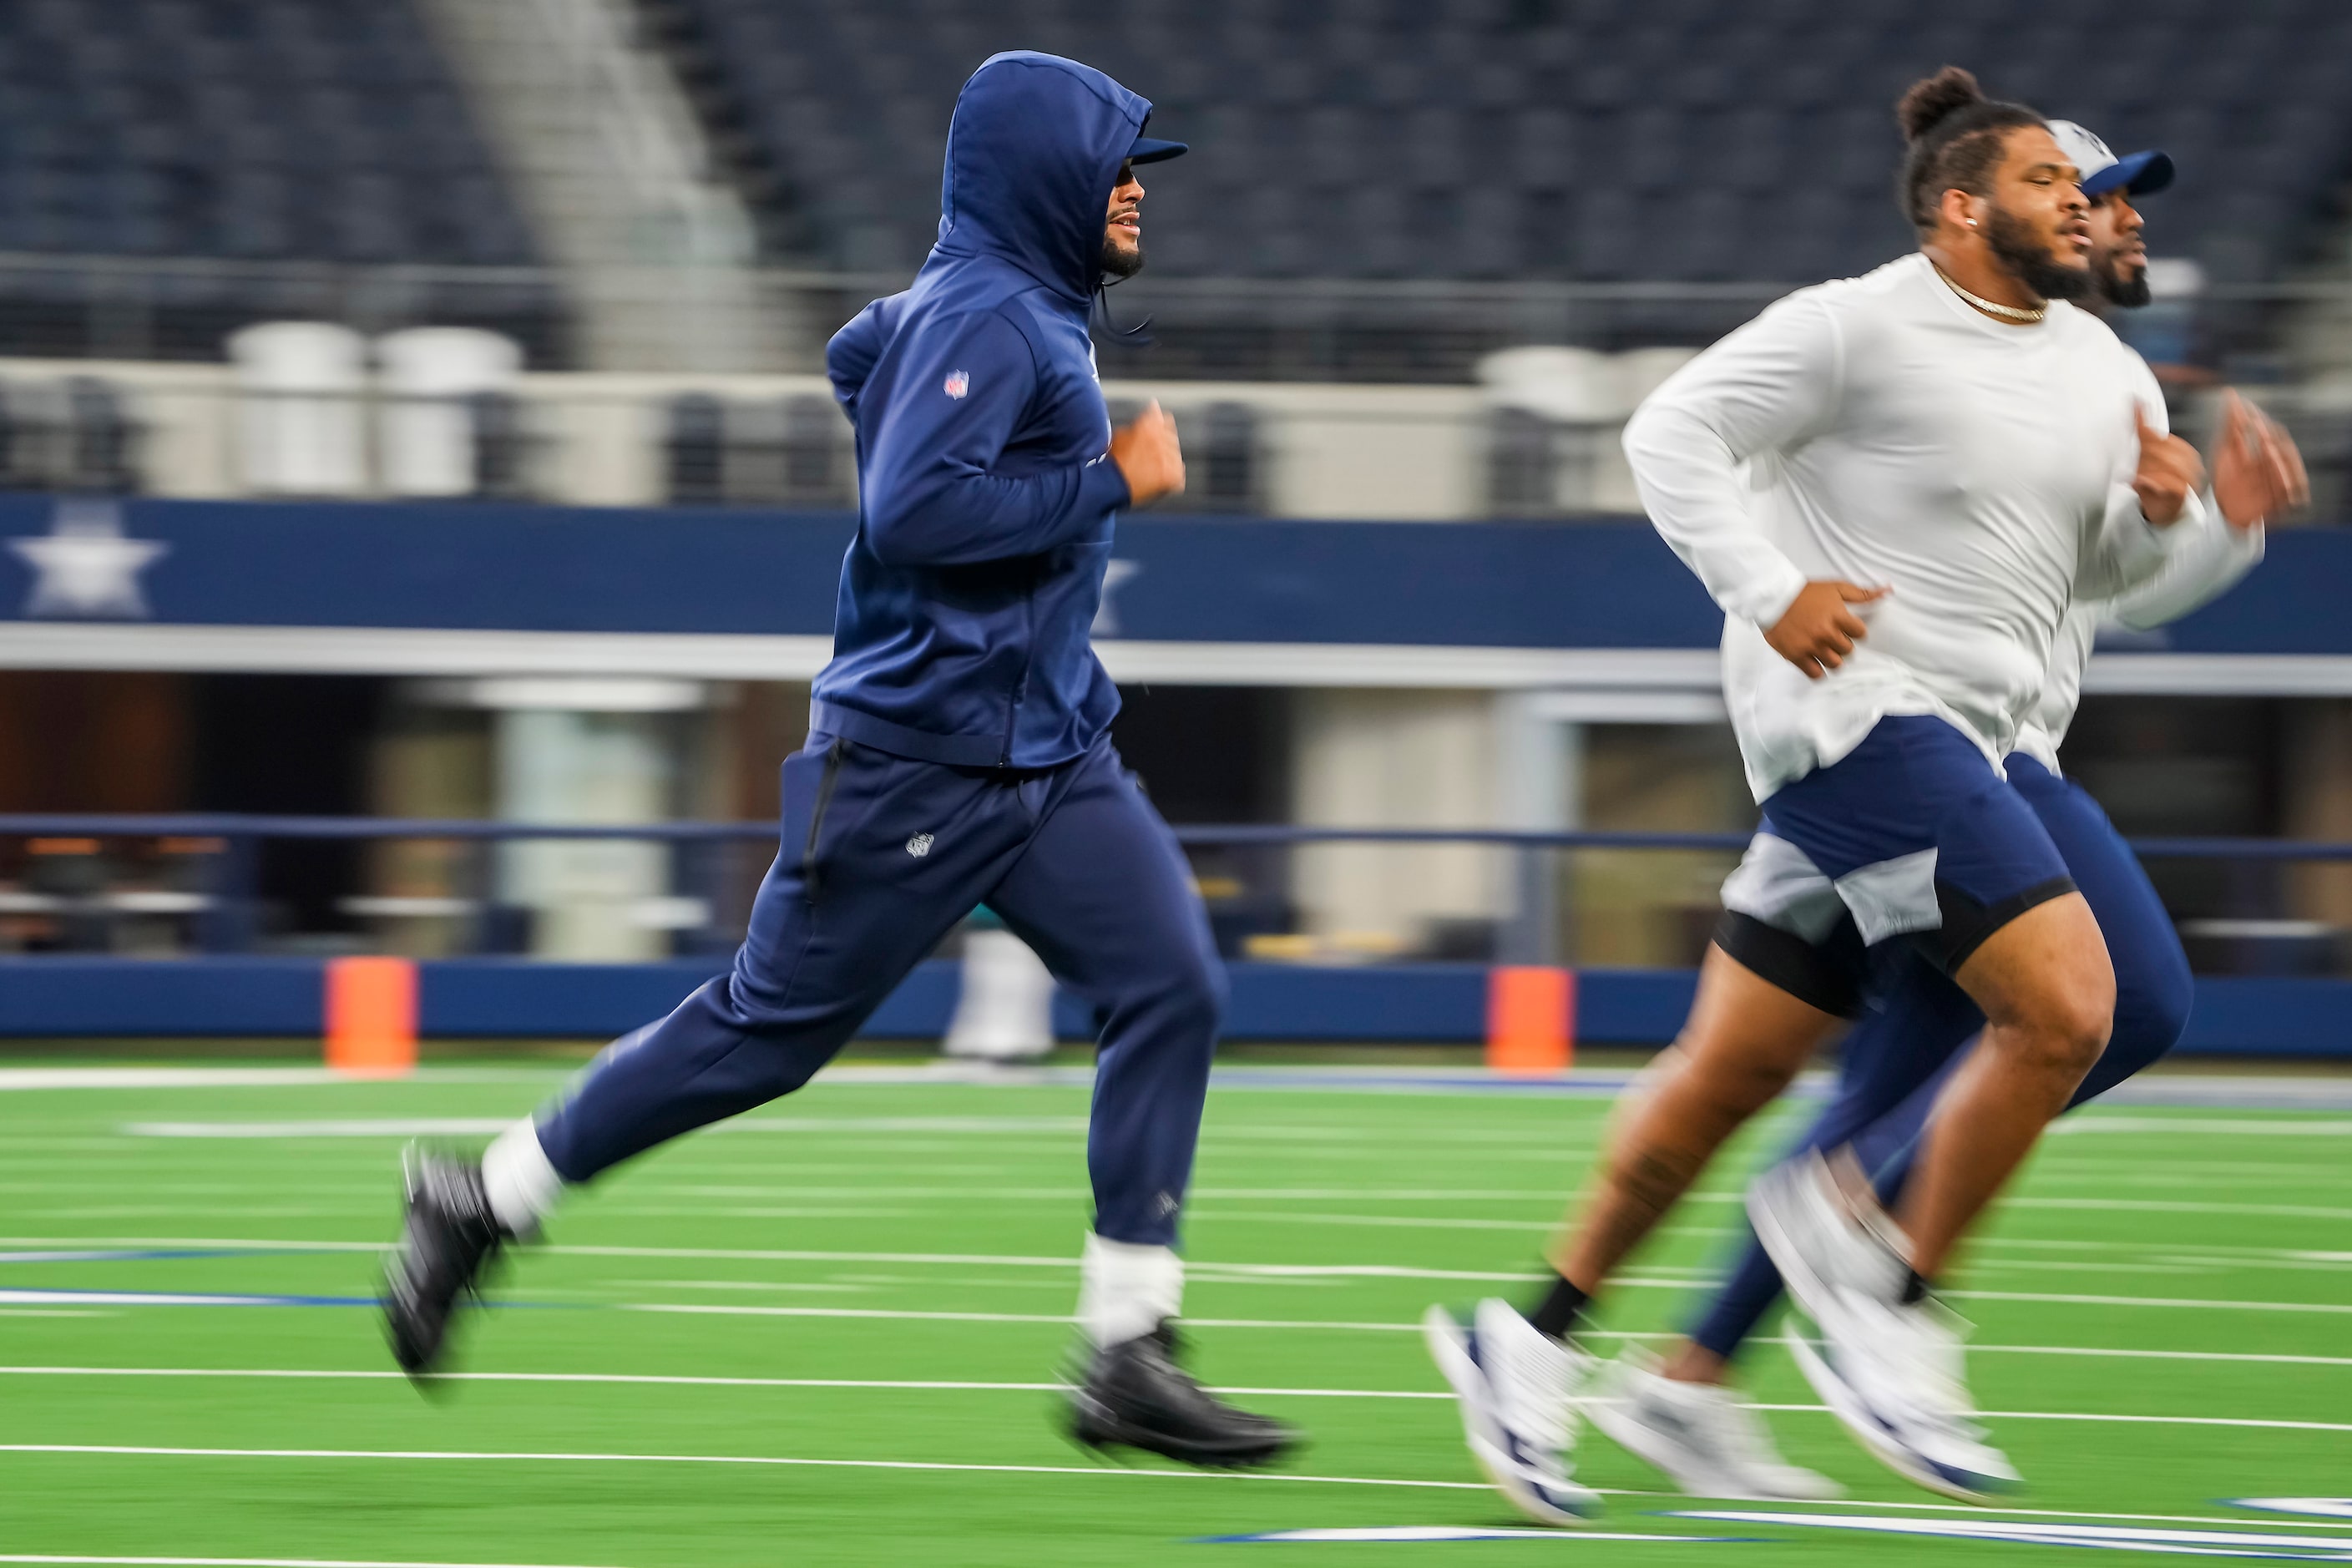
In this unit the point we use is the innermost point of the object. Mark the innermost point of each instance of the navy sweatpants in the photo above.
(881, 857)
(1896, 1061)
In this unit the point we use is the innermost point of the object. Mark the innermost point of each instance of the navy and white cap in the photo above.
(2140, 173)
(1152, 149)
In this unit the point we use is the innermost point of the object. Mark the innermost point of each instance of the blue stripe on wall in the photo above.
(69, 997)
(1591, 584)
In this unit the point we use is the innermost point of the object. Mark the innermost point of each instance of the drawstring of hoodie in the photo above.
(1139, 334)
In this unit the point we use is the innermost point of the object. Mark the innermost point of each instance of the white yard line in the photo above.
(481, 1126)
(938, 1385)
(1978, 1510)
(712, 1310)
(553, 1457)
(13, 1078)
(254, 1561)
(2052, 1298)
(2114, 1420)
(2244, 1126)
(664, 1380)
(2163, 1355)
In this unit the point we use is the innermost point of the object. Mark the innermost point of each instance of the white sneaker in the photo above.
(1891, 1372)
(1702, 1437)
(1516, 1387)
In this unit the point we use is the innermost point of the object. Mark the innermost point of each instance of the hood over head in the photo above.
(1033, 152)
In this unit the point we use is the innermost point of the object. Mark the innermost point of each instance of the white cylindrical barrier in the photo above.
(1006, 1013)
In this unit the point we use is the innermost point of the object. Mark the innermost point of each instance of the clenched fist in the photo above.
(1817, 631)
(2170, 471)
(2257, 472)
(1148, 456)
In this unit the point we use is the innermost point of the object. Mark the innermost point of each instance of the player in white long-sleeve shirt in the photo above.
(1785, 966)
(1735, 1004)
(1951, 444)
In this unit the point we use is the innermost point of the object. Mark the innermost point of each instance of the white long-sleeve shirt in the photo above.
(1881, 431)
(2202, 565)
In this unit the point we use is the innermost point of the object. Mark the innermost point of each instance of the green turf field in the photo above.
(826, 1334)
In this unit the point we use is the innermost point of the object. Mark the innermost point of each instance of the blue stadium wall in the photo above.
(399, 588)
(1432, 1004)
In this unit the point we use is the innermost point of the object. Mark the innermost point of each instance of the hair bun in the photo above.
(1935, 99)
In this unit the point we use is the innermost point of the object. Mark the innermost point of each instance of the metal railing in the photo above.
(1248, 329)
(206, 870)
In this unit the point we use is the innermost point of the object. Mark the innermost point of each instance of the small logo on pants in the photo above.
(957, 383)
(919, 845)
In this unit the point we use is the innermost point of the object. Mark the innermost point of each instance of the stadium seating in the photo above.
(249, 132)
(1691, 140)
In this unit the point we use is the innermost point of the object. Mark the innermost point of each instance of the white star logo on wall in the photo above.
(84, 568)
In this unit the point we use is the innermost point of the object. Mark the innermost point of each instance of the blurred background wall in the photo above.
(412, 408)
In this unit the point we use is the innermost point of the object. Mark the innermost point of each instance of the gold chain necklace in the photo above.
(2006, 312)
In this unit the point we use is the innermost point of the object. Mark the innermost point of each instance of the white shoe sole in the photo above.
(1867, 1434)
(1660, 1454)
(1449, 1347)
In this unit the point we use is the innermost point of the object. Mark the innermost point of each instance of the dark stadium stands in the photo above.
(271, 138)
(1600, 141)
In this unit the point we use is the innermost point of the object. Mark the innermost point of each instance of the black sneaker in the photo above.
(448, 1237)
(1135, 1394)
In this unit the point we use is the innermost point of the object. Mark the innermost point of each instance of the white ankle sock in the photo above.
(523, 1187)
(1124, 1290)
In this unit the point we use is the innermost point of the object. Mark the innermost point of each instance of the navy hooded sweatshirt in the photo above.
(986, 495)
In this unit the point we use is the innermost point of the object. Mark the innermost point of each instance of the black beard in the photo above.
(2126, 290)
(1119, 263)
(2027, 259)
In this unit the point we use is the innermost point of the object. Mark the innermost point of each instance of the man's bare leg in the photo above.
(1744, 1042)
(2048, 991)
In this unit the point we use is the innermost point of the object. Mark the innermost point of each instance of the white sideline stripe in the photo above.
(2315, 1507)
(664, 1380)
(1977, 1511)
(255, 1562)
(481, 1456)
(2024, 1532)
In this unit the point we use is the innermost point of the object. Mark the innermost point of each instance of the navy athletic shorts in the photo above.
(1920, 838)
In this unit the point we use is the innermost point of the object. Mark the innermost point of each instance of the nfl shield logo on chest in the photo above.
(957, 383)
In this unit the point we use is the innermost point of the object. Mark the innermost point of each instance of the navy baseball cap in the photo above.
(1149, 150)
(2140, 173)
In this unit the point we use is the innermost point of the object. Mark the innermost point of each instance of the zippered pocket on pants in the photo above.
(810, 876)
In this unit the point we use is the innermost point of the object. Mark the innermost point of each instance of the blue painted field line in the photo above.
(153, 1255)
(59, 1295)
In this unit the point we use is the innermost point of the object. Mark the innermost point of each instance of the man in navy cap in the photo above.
(959, 753)
(1788, 964)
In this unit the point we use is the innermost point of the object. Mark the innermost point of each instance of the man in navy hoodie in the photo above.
(958, 755)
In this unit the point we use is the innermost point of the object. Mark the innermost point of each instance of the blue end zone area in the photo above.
(60, 998)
